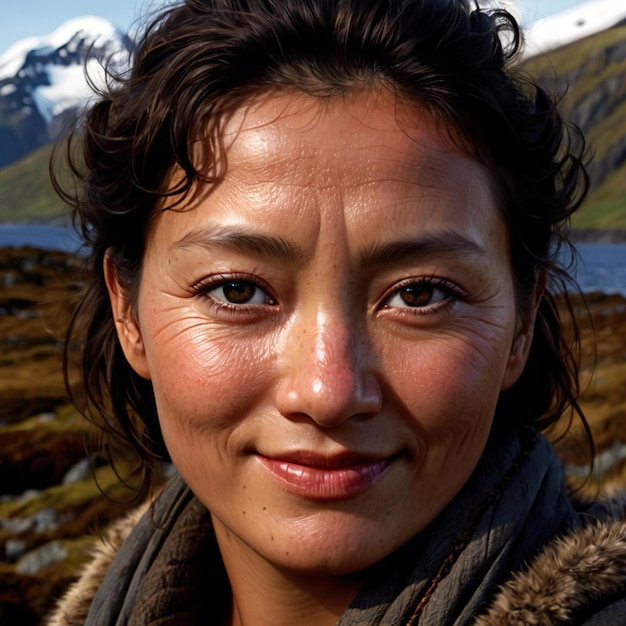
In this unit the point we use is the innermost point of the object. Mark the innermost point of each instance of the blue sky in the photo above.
(26, 18)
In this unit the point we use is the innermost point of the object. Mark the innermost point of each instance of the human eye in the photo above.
(423, 294)
(234, 291)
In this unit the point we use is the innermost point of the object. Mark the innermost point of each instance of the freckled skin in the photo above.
(330, 358)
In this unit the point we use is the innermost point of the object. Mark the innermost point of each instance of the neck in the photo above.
(263, 603)
(268, 595)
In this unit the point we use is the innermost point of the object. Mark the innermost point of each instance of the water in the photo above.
(602, 267)
(44, 236)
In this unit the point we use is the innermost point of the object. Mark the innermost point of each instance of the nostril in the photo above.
(328, 377)
(329, 398)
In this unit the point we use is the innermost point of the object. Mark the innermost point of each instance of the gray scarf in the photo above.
(169, 571)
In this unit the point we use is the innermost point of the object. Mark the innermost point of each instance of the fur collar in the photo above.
(568, 578)
(571, 576)
(73, 608)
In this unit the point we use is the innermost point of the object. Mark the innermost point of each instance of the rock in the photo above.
(45, 520)
(14, 549)
(36, 457)
(85, 469)
(81, 471)
(16, 525)
(40, 558)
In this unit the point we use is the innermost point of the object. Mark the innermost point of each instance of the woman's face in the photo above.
(327, 330)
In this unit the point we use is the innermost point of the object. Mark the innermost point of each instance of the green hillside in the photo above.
(591, 74)
(26, 193)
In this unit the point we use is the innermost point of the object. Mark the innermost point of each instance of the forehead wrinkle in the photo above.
(243, 240)
(264, 148)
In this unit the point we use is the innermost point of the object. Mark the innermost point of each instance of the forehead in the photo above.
(365, 158)
(277, 129)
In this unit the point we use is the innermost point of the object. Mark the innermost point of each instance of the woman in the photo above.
(323, 240)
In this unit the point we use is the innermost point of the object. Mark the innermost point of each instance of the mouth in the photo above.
(319, 477)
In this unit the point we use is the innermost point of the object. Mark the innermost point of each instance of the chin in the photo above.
(333, 548)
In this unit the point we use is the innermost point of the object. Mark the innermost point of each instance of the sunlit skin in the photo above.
(327, 332)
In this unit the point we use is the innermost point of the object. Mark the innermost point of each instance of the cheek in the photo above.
(204, 377)
(449, 386)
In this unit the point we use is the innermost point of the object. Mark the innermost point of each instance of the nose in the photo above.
(327, 374)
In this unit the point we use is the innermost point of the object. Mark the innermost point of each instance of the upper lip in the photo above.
(327, 461)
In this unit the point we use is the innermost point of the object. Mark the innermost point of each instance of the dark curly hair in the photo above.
(202, 59)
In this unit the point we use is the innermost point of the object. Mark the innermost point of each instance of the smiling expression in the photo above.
(328, 329)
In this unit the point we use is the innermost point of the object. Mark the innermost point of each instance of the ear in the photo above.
(522, 342)
(128, 332)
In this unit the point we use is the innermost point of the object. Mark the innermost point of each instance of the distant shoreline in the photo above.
(598, 236)
(578, 236)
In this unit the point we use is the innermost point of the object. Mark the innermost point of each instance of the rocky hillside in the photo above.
(590, 74)
(51, 503)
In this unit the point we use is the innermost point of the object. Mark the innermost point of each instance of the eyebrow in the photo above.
(283, 250)
(431, 245)
(264, 246)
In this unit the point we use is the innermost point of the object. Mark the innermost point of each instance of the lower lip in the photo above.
(315, 483)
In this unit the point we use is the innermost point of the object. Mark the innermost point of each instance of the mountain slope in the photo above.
(591, 76)
(26, 193)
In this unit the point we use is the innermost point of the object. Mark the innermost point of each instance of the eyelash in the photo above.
(451, 294)
(206, 285)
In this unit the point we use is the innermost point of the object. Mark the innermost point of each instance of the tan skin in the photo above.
(327, 332)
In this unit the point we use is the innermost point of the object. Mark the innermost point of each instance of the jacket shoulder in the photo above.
(579, 575)
(612, 615)
(73, 608)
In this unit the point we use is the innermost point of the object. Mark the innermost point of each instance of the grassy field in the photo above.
(26, 193)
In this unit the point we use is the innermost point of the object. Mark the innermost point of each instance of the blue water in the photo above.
(602, 267)
(40, 236)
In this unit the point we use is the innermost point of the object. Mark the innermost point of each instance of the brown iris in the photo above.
(416, 295)
(239, 292)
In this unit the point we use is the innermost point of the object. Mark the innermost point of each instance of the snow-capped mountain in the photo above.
(42, 79)
(581, 21)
